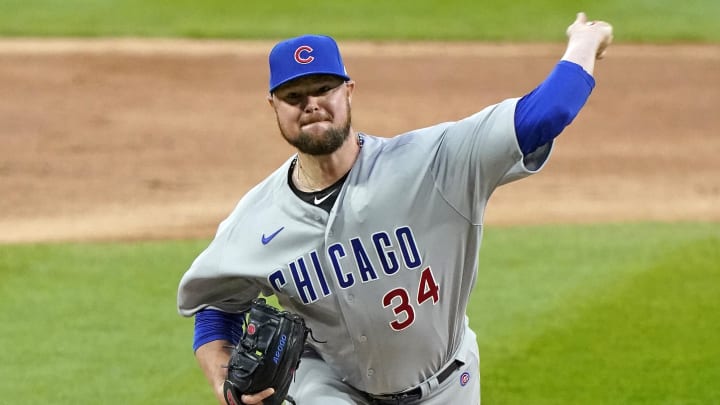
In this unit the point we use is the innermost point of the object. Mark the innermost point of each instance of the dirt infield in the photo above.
(123, 139)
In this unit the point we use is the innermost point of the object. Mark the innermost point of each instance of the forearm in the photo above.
(215, 333)
(213, 358)
(583, 52)
(542, 114)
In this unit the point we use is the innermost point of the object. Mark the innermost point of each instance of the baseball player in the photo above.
(374, 241)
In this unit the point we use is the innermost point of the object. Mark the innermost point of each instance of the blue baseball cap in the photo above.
(302, 56)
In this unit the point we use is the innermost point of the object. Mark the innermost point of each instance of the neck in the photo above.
(316, 172)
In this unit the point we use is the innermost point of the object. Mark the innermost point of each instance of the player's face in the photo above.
(313, 112)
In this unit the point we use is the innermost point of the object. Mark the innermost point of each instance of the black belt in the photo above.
(413, 394)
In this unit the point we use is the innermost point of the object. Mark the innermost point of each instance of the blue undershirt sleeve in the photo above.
(543, 114)
(211, 324)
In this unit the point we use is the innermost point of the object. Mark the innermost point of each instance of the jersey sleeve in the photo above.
(211, 325)
(543, 114)
(212, 282)
(480, 153)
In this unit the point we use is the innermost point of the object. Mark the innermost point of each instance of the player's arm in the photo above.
(215, 334)
(542, 114)
(587, 42)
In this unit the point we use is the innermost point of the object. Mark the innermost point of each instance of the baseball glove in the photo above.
(267, 355)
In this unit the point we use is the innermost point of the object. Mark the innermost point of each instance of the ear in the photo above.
(350, 85)
(271, 100)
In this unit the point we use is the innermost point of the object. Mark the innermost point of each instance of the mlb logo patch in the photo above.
(464, 378)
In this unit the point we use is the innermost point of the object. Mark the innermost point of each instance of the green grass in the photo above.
(96, 323)
(496, 20)
(605, 314)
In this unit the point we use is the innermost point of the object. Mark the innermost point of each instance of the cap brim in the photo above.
(297, 76)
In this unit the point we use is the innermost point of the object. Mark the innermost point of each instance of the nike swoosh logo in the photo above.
(267, 239)
(320, 200)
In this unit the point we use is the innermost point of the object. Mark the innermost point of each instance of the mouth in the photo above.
(315, 120)
(312, 123)
(307, 124)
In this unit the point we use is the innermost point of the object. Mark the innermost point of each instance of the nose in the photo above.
(311, 104)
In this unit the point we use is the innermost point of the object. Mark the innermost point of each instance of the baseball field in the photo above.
(128, 130)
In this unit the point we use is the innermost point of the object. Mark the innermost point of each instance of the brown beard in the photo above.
(326, 144)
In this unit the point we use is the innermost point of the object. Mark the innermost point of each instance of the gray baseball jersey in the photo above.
(383, 279)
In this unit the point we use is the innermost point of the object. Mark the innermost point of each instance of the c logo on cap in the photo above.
(304, 60)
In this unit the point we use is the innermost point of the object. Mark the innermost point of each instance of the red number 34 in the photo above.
(399, 298)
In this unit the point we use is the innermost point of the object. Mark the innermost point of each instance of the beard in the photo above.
(323, 144)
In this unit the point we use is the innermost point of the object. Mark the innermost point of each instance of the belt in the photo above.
(413, 394)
